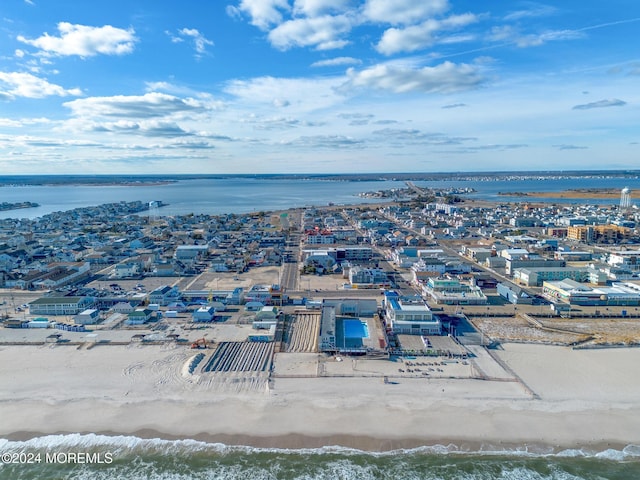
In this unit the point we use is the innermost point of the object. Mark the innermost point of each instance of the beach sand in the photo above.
(581, 399)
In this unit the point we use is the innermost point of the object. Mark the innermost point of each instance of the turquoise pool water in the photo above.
(350, 332)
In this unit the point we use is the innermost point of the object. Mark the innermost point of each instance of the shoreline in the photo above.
(299, 442)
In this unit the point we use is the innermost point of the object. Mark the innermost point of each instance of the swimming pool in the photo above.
(355, 329)
(350, 332)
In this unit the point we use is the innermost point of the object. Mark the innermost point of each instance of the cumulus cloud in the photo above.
(444, 78)
(337, 61)
(200, 42)
(613, 102)
(402, 12)
(148, 105)
(416, 37)
(264, 14)
(20, 84)
(322, 32)
(84, 41)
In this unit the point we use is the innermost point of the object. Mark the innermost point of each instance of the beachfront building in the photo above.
(534, 277)
(343, 335)
(265, 319)
(410, 316)
(451, 291)
(514, 294)
(204, 314)
(89, 316)
(139, 316)
(353, 307)
(60, 305)
(574, 293)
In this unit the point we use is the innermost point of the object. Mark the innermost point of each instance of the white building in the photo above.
(412, 318)
(204, 314)
(89, 316)
(361, 277)
(627, 259)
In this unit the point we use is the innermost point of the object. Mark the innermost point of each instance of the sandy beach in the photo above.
(564, 399)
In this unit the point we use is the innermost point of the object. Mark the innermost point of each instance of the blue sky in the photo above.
(266, 86)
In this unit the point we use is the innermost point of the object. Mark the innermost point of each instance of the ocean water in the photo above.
(244, 195)
(126, 457)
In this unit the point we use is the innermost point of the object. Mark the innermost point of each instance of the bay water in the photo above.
(245, 195)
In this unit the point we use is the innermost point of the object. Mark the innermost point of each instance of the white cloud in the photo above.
(333, 62)
(314, 8)
(534, 10)
(509, 34)
(416, 37)
(444, 78)
(84, 41)
(199, 40)
(148, 105)
(325, 141)
(302, 94)
(281, 103)
(322, 32)
(264, 13)
(146, 128)
(402, 12)
(12, 122)
(20, 84)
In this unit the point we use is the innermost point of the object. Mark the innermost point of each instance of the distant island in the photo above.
(161, 179)
(4, 206)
